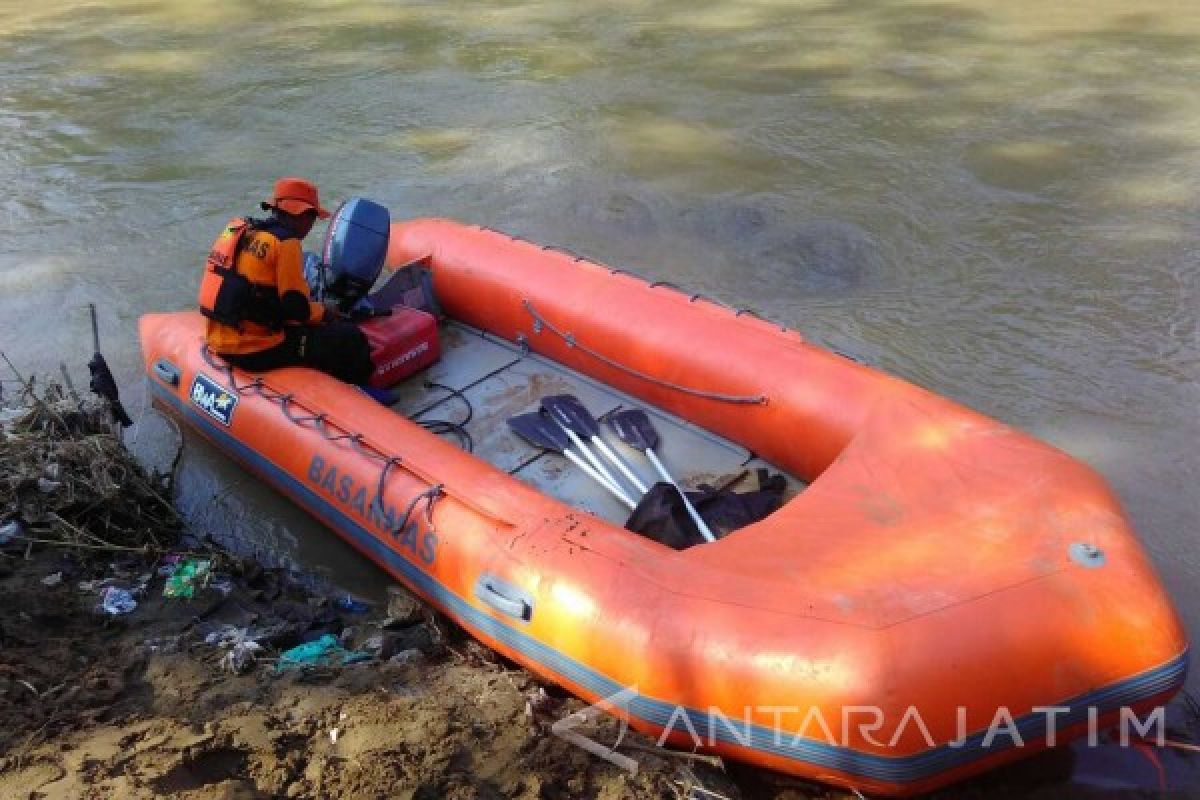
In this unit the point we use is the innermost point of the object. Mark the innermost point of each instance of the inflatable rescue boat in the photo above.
(938, 595)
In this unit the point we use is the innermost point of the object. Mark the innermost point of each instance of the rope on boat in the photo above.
(653, 284)
(430, 496)
(441, 426)
(541, 322)
(321, 424)
(691, 296)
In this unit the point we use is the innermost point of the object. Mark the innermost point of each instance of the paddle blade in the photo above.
(102, 383)
(539, 431)
(634, 428)
(570, 413)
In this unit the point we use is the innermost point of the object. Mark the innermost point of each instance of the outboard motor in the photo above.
(403, 340)
(355, 248)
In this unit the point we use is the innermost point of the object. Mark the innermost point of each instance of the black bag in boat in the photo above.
(662, 516)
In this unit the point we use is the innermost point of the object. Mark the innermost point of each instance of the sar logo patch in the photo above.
(214, 399)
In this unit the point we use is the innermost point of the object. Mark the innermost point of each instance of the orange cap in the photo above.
(297, 195)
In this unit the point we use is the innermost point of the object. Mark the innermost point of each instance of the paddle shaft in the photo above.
(598, 465)
(598, 478)
(620, 464)
(705, 531)
(95, 328)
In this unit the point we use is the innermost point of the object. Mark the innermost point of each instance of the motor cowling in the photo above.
(355, 248)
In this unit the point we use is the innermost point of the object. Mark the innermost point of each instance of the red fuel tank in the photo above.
(401, 344)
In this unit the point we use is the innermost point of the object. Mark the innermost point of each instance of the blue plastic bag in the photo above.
(323, 652)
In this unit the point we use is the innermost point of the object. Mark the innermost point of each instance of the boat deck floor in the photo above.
(485, 380)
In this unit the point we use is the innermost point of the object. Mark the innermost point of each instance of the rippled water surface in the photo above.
(998, 201)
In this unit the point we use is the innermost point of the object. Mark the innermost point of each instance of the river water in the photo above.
(998, 201)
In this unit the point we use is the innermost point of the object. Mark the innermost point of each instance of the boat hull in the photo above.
(939, 570)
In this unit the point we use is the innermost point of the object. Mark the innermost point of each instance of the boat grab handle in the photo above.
(167, 372)
(504, 597)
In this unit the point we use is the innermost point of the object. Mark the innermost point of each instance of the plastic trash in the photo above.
(352, 605)
(240, 645)
(187, 576)
(169, 564)
(116, 601)
(93, 585)
(9, 530)
(240, 656)
(54, 579)
(222, 584)
(324, 651)
(223, 634)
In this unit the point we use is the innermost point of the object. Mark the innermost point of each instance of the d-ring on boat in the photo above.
(931, 571)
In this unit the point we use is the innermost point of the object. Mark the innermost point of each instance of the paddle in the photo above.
(568, 411)
(542, 432)
(567, 421)
(636, 430)
(102, 382)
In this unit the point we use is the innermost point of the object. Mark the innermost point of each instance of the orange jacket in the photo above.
(271, 255)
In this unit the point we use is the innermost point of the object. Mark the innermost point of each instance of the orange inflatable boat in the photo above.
(940, 593)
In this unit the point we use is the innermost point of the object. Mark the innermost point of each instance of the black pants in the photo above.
(337, 348)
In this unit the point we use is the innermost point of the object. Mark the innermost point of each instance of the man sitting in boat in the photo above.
(257, 301)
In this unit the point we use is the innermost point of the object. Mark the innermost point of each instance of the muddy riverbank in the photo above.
(139, 659)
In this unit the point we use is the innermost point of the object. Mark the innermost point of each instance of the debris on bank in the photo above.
(137, 659)
(67, 481)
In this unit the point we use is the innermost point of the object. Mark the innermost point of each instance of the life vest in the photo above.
(227, 296)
